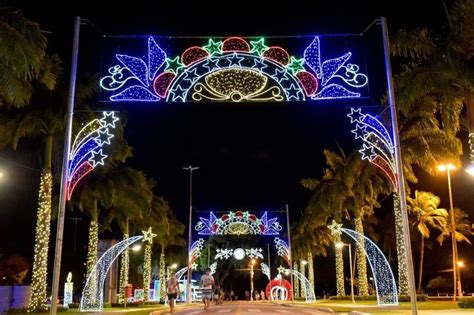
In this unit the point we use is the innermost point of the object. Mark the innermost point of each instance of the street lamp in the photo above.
(470, 169)
(456, 281)
(136, 247)
(174, 266)
(341, 245)
(188, 287)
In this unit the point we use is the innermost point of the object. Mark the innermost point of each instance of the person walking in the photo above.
(172, 290)
(217, 296)
(206, 283)
(232, 295)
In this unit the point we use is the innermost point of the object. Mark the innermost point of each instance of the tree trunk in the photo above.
(363, 288)
(401, 250)
(43, 231)
(341, 291)
(303, 287)
(162, 276)
(311, 270)
(296, 281)
(92, 248)
(422, 256)
(124, 267)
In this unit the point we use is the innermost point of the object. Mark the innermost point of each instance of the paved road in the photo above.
(250, 308)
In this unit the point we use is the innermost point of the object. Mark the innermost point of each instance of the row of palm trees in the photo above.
(433, 86)
(32, 98)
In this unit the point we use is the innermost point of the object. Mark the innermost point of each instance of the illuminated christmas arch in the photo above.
(92, 299)
(238, 223)
(233, 69)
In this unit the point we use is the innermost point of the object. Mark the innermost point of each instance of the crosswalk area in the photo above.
(252, 309)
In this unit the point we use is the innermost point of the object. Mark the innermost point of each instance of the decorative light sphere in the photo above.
(239, 253)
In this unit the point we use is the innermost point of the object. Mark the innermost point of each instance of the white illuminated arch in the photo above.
(279, 293)
(308, 288)
(385, 285)
(93, 295)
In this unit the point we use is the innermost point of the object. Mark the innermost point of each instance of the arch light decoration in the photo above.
(265, 270)
(385, 285)
(233, 69)
(238, 253)
(238, 223)
(310, 296)
(93, 294)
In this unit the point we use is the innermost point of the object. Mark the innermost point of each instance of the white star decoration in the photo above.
(335, 228)
(148, 236)
(281, 269)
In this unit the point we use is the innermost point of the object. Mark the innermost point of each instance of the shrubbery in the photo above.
(466, 303)
(401, 298)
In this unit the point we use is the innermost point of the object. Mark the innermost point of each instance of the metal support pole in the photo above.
(398, 160)
(352, 275)
(289, 245)
(188, 287)
(456, 280)
(268, 261)
(67, 144)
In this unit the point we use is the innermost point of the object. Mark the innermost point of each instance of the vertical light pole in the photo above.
(67, 144)
(188, 287)
(398, 160)
(289, 245)
(456, 281)
(252, 264)
(341, 245)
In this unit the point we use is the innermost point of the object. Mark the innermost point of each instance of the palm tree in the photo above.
(424, 214)
(463, 228)
(23, 59)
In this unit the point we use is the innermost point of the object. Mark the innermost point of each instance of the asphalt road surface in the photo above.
(240, 308)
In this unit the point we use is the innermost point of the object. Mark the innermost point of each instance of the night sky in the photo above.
(252, 156)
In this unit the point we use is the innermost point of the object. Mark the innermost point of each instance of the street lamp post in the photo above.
(188, 287)
(456, 281)
(341, 245)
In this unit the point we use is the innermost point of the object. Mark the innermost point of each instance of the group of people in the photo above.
(209, 290)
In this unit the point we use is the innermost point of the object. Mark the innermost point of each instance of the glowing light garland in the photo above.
(148, 240)
(385, 285)
(87, 149)
(68, 290)
(92, 299)
(377, 147)
(302, 272)
(335, 229)
(363, 287)
(213, 267)
(280, 77)
(162, 276)
(124, 270)
(196, 250)
(296, 281)
(311, 269)
(92, 250)
(43, 228)
(283, 250)
(238, 223)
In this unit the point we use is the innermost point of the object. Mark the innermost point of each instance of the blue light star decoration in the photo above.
(157, 77)
(87, 150)
(377, 144)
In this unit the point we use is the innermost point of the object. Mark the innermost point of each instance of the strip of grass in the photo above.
(371, 306)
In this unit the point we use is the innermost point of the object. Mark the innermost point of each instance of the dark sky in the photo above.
(251, 156)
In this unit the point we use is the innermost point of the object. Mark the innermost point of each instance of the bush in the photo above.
(466, 303)
(419, 298)
(357, 298)
(401, 298)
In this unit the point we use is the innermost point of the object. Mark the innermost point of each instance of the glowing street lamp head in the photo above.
(174, 266)
(470, 169)
(253, 262)
(340, 245)
(444, 167)
(461, 264)
(304, 262)
(136, 247)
